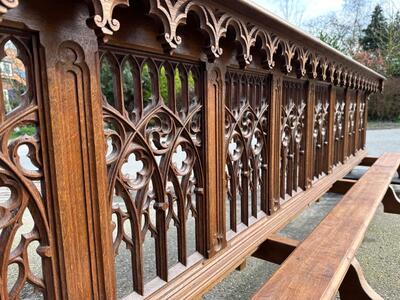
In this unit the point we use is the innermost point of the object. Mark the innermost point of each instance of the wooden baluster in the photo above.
(309, 127)
(215, 157)
(274, 145)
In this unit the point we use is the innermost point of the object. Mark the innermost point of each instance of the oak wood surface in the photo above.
(317, 267)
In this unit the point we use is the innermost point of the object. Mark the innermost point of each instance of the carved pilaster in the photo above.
(215, 158)
(275, 142)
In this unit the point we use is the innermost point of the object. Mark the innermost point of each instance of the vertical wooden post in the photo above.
(275, 142)
(331, 134)
(357, 120)
(215, 157)
(80, 215)
(346, 125)
(364, 138)
(309, 133)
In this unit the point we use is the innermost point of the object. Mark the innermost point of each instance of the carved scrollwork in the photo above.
(338, 130)
(6, 5)
(103, 19)
(270, 44)
(302, 56)
(288, 52)
(320, 133)
(292, 139)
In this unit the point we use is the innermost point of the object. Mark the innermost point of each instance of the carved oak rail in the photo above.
(149, 147)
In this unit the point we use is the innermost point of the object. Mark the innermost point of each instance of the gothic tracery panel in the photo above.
(292, 164)
(246, 145)
(153, 116)
(320, 132)
(25, 237)
(362, 122)
(352, 125)
(338, 127)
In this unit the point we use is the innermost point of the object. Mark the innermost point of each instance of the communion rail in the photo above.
(150, 146)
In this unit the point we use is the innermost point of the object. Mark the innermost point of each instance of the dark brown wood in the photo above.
(346, 225)
(194, 128)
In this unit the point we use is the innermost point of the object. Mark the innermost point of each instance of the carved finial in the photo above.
(5, 5)
(315, 59)
(288, 53)
(270, 44)
(324, 67)
(103, 19)
(302, 57)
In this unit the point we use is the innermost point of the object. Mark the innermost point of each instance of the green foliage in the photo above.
(29, 130)
(107, 81)
(374, 36)
(331, 40)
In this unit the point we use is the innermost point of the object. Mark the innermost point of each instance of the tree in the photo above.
(291, 10)
(375, 37)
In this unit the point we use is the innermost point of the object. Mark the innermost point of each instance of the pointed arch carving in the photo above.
(214, 22)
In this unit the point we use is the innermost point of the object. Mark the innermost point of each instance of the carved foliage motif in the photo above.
(5, 5)
(246, 143)
(153, 115)
(25, 236)
(362, 117)
(103, 18)
(351, 123)
(292, 138)
(215, 23)
(320, 132)
(338, 125)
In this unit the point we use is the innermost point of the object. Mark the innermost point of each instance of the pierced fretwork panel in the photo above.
(153, 116)
(352, 123)
(320, 133)
(338, 127)
(362, 122)
(292, 175)
(246, 145)
(25, 235)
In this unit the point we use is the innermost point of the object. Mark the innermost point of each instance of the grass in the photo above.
(29, 130)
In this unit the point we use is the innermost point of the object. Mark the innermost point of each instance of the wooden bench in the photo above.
(325, 262)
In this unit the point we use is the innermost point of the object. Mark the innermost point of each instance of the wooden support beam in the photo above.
(369, 161)
(391, 203)
(276, 249)
(242, 266)
(355, 286)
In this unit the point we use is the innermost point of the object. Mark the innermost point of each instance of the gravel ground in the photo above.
(378, 255)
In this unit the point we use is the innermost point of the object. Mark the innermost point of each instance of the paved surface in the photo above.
(378, 255)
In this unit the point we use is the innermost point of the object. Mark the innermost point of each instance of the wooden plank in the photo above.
(197, 280)
(317, 267)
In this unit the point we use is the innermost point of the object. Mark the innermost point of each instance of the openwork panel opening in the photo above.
(293, 133)
(246, 144)
(153, 118)
(351, 123)
(338, 126)
(320, 132)
(25, 235)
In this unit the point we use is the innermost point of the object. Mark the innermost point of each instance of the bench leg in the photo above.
(242, 266)
(354, 285)
(391, 203)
